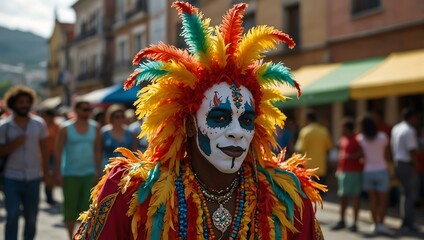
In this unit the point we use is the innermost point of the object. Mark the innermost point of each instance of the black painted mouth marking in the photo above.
(232, 151)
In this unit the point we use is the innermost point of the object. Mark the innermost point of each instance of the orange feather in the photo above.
(232, 27)
(184, 7)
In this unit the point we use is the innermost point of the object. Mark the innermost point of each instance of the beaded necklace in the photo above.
(215, 191)
(183, 182)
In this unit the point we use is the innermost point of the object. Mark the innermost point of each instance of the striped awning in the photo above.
(399, 74)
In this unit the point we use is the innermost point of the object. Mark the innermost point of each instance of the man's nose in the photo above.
(235, 130)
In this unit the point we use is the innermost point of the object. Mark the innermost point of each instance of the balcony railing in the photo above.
(86, 34)
(88, 76)
(124, 65)
(140, 7)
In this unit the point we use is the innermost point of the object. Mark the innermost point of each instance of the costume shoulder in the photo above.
(286, 190)
(110, 213)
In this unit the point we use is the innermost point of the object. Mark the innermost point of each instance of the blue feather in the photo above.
(278, 234)
(193, 33)
(145, 188)
(158, 221)
(277, 72)
(281, 194)
(149, 70)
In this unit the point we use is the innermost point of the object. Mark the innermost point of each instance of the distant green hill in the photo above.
(22, 47)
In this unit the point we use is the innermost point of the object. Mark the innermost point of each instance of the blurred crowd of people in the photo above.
(384, 165)
(67, 149)
(72, 148)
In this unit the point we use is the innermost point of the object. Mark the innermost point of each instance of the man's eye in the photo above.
(218, 119)
(247, 121)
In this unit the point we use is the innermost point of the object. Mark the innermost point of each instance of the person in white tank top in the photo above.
(376, 180)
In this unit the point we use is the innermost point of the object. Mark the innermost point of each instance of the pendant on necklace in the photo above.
(221, 218)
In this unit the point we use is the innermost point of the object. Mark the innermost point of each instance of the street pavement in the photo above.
(50, 225)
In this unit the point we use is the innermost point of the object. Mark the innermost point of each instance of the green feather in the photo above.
(281, 194)
(194, 33)
(145, 188)
(158, 217)
(295, 180)
(278, 73)
(278, 234)
(149, 70)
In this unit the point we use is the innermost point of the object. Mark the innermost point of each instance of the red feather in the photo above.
(192, 215)
(265, 209)
(184, 7)
(130, 82)
(163, 52)
(284, 38)
(232, 27)
(299, 91)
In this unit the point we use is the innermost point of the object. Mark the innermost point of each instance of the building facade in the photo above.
(92, 48)
(59, 63)
(339, 45)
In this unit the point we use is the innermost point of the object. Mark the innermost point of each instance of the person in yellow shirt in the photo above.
(314, 141)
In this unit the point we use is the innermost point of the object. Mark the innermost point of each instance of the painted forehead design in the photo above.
(236, 96)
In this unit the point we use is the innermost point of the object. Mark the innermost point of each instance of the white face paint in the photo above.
(225, 126)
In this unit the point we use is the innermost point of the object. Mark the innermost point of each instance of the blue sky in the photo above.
(36, 16)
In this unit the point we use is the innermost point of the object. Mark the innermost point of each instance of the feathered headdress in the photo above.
(180, 77)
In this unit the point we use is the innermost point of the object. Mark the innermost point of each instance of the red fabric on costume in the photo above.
(117, 224)
(306, 224)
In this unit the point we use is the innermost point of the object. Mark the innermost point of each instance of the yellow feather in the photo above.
(178, 73)
(286, 182)
(219, 49)
(272, 94)
(258, 40)
(158, 118)
(273, 114)
(162, 190)
(134, 226)
(279, 211)
(259, 71)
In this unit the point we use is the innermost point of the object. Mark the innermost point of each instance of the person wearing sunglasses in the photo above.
(115, 134)
(77, 166)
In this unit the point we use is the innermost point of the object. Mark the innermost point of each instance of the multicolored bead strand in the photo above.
(207, 222)
(250, 200)
(238, 214)
(182, 208)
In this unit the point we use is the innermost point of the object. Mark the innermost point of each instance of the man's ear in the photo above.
(191, 126)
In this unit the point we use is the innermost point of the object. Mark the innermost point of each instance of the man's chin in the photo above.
(22, 113)
(229, 169)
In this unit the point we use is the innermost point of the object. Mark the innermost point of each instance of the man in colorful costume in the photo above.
(209, 172)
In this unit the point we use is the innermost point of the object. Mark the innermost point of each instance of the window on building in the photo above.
(239, 1)
(139, 42)
(83, 69)
(83, 30)
(121, 52)
(120, 10)
(293, 22)
(141, 5)
(361, 6)
(249, 21)
(96, 63)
